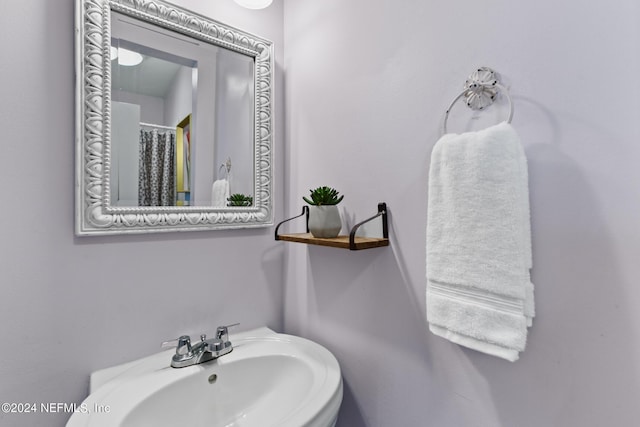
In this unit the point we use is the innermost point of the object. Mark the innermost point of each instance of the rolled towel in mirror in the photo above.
(219, 193)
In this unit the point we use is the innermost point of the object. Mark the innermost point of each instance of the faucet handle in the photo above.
(222, 333)
(181, 343)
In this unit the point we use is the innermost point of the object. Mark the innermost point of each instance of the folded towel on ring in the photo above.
(479, 292)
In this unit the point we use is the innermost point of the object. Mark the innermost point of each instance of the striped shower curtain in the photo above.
(156, 181)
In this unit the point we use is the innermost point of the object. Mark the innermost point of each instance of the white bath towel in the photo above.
(219, 193)
(479, 292)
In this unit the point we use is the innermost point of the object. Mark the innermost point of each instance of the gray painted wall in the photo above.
(367, 86)
(71, 305)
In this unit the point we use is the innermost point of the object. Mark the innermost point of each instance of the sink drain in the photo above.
(213, 378)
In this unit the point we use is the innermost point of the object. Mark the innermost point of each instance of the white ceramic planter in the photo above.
(324, 221)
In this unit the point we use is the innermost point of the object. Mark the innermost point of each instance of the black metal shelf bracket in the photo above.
(305, 211)
(382, 211)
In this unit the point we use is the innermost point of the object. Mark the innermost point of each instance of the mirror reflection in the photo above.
(182, 119)
(174, 125)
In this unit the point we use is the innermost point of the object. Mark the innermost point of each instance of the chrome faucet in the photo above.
(204, 351)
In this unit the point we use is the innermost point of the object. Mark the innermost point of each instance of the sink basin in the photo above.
(269, 379)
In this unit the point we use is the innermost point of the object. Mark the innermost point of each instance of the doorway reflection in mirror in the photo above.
(152, 104)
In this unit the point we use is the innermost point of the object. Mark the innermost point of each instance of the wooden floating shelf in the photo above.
(336, 242)
(351, 241)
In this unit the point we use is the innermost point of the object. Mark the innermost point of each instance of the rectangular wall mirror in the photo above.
(173, 121)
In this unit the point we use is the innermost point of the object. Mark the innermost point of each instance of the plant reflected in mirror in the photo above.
(239, 200)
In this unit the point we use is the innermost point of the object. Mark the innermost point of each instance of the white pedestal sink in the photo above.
(268, 380)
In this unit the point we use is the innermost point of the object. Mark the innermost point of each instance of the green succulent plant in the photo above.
(239, 199)
(324, 196)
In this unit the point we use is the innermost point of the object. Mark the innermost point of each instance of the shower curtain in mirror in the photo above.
(156, 181)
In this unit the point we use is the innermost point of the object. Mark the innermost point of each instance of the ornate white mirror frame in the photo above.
(95, 214)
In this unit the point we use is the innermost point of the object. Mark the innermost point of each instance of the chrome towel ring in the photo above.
(225, 167)
(480, 91)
